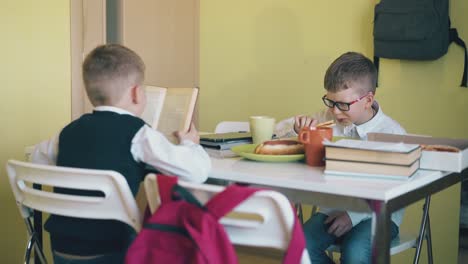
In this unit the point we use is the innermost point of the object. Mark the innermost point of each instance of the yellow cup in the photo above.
(262, 128)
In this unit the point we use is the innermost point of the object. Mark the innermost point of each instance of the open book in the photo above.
(169, 109)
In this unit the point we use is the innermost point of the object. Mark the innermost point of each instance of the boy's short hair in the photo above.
(109, 70)
(350, 67)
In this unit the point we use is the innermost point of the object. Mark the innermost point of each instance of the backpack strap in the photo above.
(166, 185)
(223, 202)
(169, 190)
(296, 245)
(453, 37)
(219, 205)
(233, 195)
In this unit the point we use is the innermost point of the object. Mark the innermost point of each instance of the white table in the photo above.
(302, 183)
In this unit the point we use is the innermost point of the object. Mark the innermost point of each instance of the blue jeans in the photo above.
(115, 258)
(355, 245)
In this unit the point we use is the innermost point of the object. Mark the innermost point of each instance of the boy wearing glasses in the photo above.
(350, 83)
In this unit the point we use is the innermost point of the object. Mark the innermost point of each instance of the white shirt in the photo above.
(379, 123)
(188, 160)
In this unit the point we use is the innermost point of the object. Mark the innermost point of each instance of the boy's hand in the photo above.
(341, 223)
(191, 134)
(303, 121)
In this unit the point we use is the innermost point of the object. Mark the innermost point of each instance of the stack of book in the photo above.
(219, 145)
(350, 157)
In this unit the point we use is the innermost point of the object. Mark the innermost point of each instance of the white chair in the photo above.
(405, 241)
(263, 220)
(232, 126)
(117, 203)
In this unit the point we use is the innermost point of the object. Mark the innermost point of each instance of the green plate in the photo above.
(247, 150)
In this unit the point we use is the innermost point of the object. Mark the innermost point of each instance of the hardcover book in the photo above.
(372, 169)
(170, 109)
(372, 152)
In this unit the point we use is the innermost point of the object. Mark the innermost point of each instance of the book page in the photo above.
(177, 111)
(154, 104)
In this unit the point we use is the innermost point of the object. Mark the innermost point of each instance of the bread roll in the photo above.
(280, 147)
(443, 148)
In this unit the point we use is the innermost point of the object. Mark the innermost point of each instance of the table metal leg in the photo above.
(380, 237)
(422, 231)
(430, 259)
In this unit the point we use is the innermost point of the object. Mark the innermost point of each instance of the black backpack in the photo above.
(414, 30)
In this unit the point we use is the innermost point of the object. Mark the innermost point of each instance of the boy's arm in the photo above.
(285, 128)
(186, 160)
(46, 152)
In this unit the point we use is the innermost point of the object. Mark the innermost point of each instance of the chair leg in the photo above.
(299, 212)
(29, 246)
(422, 230)
(33, 244)
(314, 210)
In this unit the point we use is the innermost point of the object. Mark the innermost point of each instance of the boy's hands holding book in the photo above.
(340, 223)
(191, 134)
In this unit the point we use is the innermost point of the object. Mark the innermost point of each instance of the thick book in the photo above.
(368, 168)
(372, 152)
(170, 109)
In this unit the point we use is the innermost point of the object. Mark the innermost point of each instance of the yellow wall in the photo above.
(276, 49)
(248, 49)
(35, 92)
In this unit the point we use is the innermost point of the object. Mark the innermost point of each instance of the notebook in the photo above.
(226, 137)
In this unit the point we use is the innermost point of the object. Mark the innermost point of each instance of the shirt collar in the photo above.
(113, 109)
(370, 125)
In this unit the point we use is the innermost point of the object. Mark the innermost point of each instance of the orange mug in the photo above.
(312, 138)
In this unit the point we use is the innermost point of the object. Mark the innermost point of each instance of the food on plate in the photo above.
(280, 147)
(444, 148)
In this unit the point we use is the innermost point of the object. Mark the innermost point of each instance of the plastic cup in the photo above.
(261, 128)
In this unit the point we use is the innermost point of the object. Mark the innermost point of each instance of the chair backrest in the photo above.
(117, 203)
(265, 219)
(232, 126)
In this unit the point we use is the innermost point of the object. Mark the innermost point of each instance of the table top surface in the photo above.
(299, 176)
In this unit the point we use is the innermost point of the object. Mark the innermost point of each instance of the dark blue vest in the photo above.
(100, 140)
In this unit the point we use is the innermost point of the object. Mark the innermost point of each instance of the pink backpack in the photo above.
(184, 231)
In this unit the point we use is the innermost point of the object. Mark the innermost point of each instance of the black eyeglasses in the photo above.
(340, 105)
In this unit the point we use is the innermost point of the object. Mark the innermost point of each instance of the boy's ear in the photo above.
(136, 94)
(370, 99)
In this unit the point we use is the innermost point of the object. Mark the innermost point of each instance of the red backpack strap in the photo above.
(219, 205)
(223, 202)
(296, 245)
(165, 186)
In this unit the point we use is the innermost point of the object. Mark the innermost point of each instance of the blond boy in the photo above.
(114, 137)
